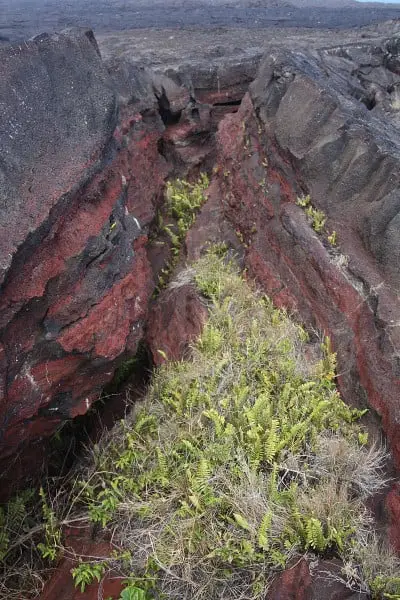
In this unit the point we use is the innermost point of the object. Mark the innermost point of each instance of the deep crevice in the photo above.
(127, 386)
(229, 103)
(168, 116)
(370, 103)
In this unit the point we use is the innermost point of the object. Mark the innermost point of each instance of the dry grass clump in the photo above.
(362, 468)
(371, 567)
(20, 565)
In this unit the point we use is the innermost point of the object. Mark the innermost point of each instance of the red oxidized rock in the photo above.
(79, 188)
(105, 330)
(295, 133)
(176, 319)
(293, 584)
(210, 227)
(320, 581)
(61, 585)
(393, 506)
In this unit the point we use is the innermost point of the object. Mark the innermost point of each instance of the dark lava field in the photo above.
(21, 19)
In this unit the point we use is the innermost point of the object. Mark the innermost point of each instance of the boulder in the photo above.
(61, 586)
(176, 319)
(322, 580)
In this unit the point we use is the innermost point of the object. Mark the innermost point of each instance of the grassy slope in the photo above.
(238, 460)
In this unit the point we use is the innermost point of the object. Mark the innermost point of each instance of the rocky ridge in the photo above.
(86, 149)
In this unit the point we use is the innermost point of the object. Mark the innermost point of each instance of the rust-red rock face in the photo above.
(318, 581)
(295, 134)
(301, 131)
(176, 319)
(61, 586)
(79, 187)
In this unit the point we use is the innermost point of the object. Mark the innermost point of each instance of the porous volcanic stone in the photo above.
(80, 177)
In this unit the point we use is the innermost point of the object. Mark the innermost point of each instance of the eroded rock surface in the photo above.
(322, 580)
(176, 319)
(80, 177)
(86, 148)
(306, 127)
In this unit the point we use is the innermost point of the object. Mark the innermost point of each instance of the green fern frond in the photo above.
(271, 446)
(202, 476)
(241, 521)
(263, 531)
(315, 538)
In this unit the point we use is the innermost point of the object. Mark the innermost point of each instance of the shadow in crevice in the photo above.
(128, 385)
(168, 116)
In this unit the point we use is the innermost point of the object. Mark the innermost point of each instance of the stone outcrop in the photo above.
(305, 128)
(80, 178)
(86, 147)
(307, 581)
(61, 585)
(326, 123)
(176, 319)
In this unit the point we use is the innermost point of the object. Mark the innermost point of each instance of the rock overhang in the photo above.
(348, 153)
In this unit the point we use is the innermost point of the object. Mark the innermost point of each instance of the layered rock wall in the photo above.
(86, 148)
(80, 178)
(85, 151)
(309, 127)
(301, 131)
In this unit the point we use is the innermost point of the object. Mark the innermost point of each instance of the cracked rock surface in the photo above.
(87, 145)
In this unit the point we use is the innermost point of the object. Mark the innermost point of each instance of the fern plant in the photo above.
(132, 592)
(51, 545)
(184, 199)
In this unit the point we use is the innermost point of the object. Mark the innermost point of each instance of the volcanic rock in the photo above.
(86, 148)
(176, 319)
(80, 178)
(305, 581)
(309, 126)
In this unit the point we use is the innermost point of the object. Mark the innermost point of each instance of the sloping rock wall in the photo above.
(306, 127)
(80, 178)
(300, 130)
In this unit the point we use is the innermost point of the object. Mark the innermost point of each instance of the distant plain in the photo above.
(22, 19)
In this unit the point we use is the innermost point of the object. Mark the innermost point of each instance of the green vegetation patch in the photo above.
(237, 461)
(183, 201)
